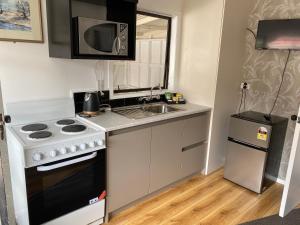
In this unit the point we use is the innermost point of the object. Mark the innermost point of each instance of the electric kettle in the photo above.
(91, 103)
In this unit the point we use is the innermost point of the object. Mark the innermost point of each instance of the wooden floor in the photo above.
(203, 200)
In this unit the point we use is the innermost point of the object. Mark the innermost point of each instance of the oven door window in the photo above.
(102, 37)
(57, 192)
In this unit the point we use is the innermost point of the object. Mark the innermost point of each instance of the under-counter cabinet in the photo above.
(144, 159)
(165, 154)
(128, 167)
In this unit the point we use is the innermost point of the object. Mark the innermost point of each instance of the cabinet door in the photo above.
(165, 154)
(128, 167)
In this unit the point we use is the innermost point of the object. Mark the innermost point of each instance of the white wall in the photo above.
(201, 31)
(27, 72)
(229, 77)
(213, 45)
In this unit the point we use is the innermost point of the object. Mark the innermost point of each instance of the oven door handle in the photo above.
(67, 163)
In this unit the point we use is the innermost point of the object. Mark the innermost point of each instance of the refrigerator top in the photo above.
(259, 118)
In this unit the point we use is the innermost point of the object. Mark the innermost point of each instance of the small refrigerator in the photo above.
(252, 141)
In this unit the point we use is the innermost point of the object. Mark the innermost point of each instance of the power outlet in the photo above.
(245, 86)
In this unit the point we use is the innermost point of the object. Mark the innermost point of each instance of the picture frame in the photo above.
(21, 21)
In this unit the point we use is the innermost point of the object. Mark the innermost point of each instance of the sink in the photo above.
(144, 111)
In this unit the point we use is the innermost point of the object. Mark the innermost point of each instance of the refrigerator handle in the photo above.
(247, 144)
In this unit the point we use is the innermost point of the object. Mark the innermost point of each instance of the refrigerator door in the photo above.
(245, 166)
(256, 134)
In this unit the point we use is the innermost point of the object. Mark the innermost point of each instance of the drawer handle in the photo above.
(192, 146)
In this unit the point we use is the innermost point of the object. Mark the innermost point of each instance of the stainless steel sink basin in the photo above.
(144, 111)
(160, 109)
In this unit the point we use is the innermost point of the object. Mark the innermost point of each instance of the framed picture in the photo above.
(21, 20)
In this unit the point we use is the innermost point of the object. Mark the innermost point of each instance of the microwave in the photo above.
(100, 37)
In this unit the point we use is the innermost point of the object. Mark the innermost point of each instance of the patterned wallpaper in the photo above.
(263, 69)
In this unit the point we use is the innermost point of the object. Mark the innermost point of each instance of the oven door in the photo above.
(98, 37)
(56, 189)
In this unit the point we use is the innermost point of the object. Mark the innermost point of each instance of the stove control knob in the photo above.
(92, 144)
(100, 142)
(63, 151)
(53, 153)
(37, 156)
(73, 148)
(82, 146)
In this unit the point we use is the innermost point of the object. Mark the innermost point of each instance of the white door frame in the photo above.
(291, 192)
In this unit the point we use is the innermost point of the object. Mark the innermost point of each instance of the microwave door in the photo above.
(100, 39)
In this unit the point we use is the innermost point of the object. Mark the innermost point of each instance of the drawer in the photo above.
(195, 130)
(193, 159)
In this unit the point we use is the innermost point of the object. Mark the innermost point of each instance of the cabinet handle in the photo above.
(2, 127)
(192, 146)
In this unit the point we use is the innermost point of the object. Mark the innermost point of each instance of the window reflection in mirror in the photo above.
(151, 66)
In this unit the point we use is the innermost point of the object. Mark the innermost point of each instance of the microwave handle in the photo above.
(118, 44)
(67, 163)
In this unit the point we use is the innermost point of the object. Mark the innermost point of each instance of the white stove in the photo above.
(57, 164)
(49, 141)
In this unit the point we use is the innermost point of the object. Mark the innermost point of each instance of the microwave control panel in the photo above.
(123, 39)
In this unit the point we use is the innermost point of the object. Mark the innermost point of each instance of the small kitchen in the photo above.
(110, 104)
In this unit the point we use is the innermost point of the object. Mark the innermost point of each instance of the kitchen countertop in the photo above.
(111, 121)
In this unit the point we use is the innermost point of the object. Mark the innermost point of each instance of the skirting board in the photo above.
(275, 179)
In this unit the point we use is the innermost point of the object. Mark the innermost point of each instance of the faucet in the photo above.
(151, 92)
(151, 97)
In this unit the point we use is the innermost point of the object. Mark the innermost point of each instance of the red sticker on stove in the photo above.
(102, 196)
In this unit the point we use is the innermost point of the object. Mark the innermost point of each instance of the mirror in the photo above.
(151, 66)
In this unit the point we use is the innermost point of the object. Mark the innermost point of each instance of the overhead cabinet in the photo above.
(92, 29)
